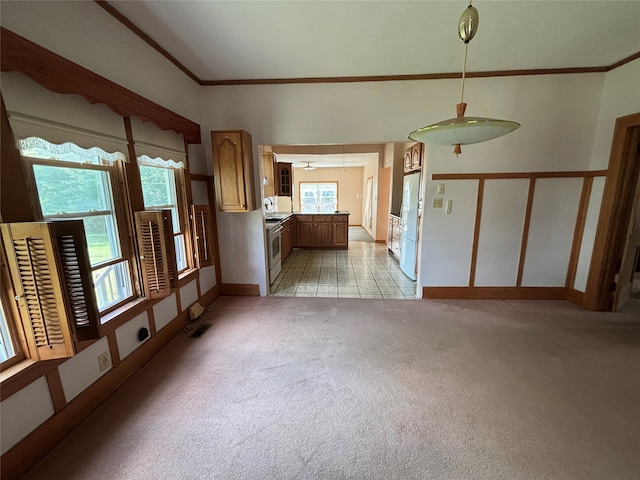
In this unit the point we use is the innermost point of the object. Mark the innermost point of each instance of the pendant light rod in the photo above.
(463, 130)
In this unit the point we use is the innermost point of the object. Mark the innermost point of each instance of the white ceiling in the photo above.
(224, 40)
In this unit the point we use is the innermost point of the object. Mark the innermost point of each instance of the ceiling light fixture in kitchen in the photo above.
(308, 167)
(463, 130)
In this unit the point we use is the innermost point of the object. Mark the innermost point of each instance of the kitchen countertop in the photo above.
(337, 212)
(279, 217)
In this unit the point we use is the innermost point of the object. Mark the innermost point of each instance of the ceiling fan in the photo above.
(308, 167)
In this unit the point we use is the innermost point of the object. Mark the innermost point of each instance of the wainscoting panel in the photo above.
(504, 207)
(448, 259)
(553, 220)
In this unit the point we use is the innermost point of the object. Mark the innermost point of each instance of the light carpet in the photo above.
(327, 388)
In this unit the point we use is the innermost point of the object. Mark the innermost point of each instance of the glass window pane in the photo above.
(102, 238)
(72, 190)
(158, 186)
(181, 255)
(112, 284)
(319, 197)
(6, 348)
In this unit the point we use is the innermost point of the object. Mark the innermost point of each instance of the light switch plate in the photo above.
(440, 189)
(437, 203)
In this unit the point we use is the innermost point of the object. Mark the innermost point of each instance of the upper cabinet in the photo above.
(233, 170)
(268, 179)
(283, 173)
(413, 158)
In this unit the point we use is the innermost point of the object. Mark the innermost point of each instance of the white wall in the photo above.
(621, 97)
(86, 34)
(558, 114)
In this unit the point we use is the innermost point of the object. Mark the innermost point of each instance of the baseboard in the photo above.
(26, 453)
(576, 297)
(240, 289)
(210, 296)
(530, 293)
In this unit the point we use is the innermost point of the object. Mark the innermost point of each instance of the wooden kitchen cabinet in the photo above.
(283, 173)
(233, 170)
(268, 179)
(413, 158)
(288, 237)
(322, 231)
(304, 231)
(340, 231)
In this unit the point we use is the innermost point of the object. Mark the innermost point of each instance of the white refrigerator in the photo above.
(409, 214)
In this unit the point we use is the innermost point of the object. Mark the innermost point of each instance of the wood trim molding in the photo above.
(615, 205)
(508, 175)
(19, 459)
(363, 78)
(240, 289)
(578, 232)
(525, 230)
(476, 233)
(56, 390)
(150, 41)
(60, 75)
(513, 293)
(576, 297)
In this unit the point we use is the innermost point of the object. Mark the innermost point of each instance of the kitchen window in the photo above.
(160, 184)
(73, 183)
(318, 197)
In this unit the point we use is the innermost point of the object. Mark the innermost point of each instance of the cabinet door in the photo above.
(304, 234)
(233, 170)
(268, 178)
(407, 160)
(341, 235)
(284, 179)
(416, 156)
(323, 234)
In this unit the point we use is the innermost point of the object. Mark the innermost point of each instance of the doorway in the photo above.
(612, 249)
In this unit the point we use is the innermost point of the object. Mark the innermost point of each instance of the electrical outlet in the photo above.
(437, 203)
(440, 189)
(104, 361)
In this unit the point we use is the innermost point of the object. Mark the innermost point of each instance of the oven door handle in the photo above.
(277, 229)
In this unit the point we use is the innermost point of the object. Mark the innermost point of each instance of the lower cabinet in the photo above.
(322, 231)
(393, 236)
(304, 231)
(288, 237)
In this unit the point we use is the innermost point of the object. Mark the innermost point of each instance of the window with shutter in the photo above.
(50, 274)
(155, 240)
(203, 234)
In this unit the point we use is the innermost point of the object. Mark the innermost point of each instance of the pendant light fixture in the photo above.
(463, 130)
(308, 167)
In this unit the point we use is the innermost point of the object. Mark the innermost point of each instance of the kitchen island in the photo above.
(315, 230)
(322, 230)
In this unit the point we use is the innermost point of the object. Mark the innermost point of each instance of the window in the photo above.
(73, 183)
(160, 193)
(319, 197)
(6, 347)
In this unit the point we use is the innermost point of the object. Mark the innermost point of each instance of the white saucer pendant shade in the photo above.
(463, 130)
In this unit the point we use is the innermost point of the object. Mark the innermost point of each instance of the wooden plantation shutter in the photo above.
(49, 266)
(157, 252)
(202, 234)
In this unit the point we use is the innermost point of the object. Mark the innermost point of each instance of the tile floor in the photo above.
(365, 270)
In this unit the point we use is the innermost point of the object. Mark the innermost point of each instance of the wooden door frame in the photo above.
(615, 212)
